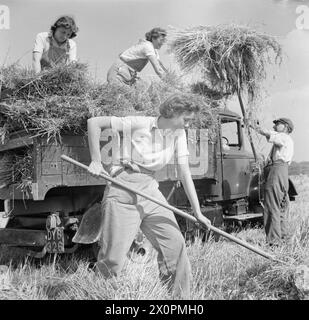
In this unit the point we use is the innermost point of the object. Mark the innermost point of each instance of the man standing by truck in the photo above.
(154, 141)
(276, 199)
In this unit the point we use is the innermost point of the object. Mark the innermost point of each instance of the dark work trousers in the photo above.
(276, 202)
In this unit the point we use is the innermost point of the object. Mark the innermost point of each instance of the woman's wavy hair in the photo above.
(66, 22)
(177, 104)
(155, 33)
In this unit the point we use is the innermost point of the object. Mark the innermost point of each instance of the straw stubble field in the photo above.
(221, 270)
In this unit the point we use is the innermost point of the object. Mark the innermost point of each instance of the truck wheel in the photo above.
(239, 224)
(140, 249)
(233, 226)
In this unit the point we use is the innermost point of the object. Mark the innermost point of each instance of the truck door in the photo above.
(235, 160)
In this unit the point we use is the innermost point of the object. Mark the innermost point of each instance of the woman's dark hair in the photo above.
(155, 33)
(66, 22)
(178, 104)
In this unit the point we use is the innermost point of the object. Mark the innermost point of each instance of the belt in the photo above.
(271, 163)
(130, 166)
(131, 69)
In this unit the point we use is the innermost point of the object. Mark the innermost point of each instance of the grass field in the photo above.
(221, 270)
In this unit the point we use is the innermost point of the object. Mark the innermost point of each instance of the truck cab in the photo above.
(231, 189)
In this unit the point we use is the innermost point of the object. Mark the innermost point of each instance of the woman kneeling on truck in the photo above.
(135, 58)
(55, 47)
(153, 141)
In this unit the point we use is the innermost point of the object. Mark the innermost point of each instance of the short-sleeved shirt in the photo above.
(138, 55)
(42, 44)
(283, 147)
(146, 145)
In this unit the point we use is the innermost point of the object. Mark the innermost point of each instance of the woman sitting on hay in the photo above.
(55, 47)
(134, 59)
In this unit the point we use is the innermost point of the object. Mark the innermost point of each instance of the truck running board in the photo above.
(20, 237)
(243, 217)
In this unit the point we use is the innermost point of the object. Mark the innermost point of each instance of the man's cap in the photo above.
(286, 121)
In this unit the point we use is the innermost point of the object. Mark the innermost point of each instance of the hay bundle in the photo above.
(6, 174)
(16, 167)
(230, 58)
(42, 104)
(49, 116)
(22, 83)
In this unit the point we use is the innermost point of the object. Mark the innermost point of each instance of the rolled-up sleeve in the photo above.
(125, 123)
(73, 51)
(277, 139)
(149, 50)
(39, 43)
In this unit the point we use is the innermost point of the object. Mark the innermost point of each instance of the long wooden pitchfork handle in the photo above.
(179, 212)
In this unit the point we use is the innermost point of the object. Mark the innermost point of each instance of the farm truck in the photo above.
(43, 214)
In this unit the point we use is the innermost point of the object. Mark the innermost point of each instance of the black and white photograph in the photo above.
(154, 150)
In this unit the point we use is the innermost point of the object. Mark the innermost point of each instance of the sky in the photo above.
(107, 27)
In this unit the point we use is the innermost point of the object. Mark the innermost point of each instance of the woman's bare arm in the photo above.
(94, 127)
(156, 66)
(189, 187)
(162, 66)
(36, 61)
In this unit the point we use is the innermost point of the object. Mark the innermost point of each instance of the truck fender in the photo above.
(253, 192)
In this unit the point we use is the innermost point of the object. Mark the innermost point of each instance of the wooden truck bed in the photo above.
(50, 171)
